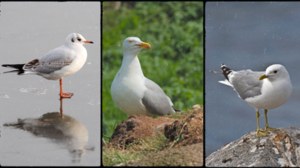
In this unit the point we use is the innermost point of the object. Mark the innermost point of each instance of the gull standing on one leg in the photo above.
(57, 63)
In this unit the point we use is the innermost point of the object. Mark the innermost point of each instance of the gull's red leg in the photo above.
(61, 93)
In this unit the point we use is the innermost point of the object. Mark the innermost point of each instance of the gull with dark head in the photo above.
(261, 90)
(57, 63)
(131, 91)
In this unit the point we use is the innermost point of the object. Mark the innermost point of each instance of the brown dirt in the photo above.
(188, 130)
(137, 127)
(190, 155)
(184, 133)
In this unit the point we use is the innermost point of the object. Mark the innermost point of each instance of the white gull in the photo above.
(131, 91)
(261, 90)
(57, 63)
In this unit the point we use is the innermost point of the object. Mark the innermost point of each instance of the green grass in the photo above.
(175, 61)
(113, 157)
(133, 152)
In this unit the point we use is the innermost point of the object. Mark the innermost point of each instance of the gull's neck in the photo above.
(131, 65)
(73, 45)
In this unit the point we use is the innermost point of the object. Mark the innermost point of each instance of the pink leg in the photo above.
(61, 93)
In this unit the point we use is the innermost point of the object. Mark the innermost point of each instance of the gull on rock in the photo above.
(261, 90)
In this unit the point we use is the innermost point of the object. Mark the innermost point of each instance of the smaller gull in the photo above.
(57, 63)
(131, 91)
(261, 90)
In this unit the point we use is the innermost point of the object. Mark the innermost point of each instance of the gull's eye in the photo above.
(275, 71)
(72, 40)
(79, 39)
(130, 41)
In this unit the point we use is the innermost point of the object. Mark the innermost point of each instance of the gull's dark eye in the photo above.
(275, 71)
(72, 40)
(79, 39)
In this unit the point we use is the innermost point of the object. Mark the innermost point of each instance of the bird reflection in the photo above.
(60, 128)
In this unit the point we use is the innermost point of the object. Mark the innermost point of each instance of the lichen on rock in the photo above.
(279, 149)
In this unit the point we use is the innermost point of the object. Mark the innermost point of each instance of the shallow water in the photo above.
(248, 35)
(27, 31)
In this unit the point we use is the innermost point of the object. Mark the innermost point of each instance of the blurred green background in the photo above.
(175, 61)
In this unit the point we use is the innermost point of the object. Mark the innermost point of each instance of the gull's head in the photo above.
(274, 72)
(76, 38)
(134, 45)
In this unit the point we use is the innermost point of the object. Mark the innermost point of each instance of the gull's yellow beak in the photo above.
(263, 77)
(144, 45)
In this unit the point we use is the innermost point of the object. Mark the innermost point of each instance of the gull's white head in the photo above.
(274, 72)
(76, 38)
(133, 45)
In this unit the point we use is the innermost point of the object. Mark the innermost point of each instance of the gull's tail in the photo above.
(226, 70)
(176, 110)
(18, 68)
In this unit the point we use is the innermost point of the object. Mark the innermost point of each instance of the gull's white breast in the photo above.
(127, 92)
(273, 94)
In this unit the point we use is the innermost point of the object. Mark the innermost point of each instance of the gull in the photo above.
(131, 91)
(57, 63)
(261, 90)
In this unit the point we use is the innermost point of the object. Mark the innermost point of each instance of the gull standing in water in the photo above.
(57, 63)
(261, 90)
(131, 91)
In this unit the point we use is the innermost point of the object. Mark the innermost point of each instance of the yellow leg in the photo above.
(267, 127)
(257, 121)
(259, 132)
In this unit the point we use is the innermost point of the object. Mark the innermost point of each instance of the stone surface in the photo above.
(279, 149)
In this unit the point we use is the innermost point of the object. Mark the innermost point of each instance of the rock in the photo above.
(279, 148)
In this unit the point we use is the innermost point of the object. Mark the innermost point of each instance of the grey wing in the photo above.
(54, 60)
(155, 100)
(246, 83)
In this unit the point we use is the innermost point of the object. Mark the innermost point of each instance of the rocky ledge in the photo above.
(280, 148)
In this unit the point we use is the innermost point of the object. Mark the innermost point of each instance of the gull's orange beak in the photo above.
(144, 45)
(88, 41)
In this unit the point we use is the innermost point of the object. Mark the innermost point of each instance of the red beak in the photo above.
(88, 41)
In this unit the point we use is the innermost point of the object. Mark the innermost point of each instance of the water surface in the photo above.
(27, 31)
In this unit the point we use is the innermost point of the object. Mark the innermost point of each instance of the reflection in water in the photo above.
(61, 129)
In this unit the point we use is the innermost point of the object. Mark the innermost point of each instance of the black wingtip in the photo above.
(17, 71)
(18, 68)
(226, 71)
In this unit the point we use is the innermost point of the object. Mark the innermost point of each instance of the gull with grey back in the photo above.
(131, 91)
(261, 90)
(57, 63)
